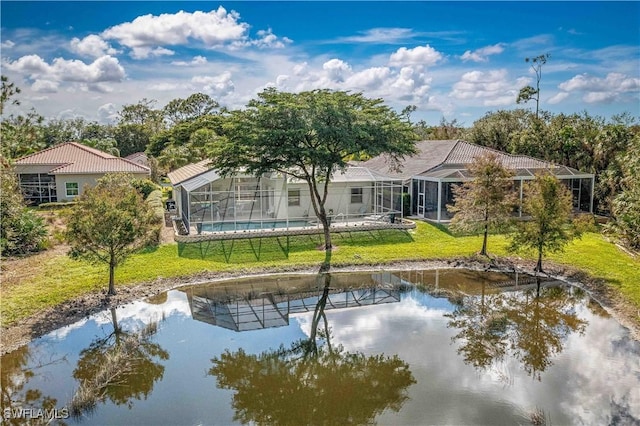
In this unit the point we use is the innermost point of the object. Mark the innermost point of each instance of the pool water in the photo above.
(251, 225)
(396, 348)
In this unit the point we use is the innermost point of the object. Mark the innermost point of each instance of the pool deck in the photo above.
(339, 227)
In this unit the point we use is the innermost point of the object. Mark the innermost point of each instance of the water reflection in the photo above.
(531, 326)
(119, 367)
(240, 308)
(311, 381)
(18, 368)
(387, 357)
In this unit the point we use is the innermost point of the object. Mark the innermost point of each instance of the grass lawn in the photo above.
(60, 278)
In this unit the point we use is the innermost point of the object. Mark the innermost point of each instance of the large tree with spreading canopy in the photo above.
(310, 136)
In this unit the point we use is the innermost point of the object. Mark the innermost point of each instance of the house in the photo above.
(440, 164)
(61, 172)
(207, 201)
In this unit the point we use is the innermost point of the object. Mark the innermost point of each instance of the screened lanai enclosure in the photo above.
(432, 191)
(211, 203)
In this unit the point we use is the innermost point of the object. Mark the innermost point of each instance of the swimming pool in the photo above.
(248, 225)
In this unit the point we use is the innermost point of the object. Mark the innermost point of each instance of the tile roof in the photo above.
(187, 172)
(75, 158)
(440, 158)
(138, 157)
(430, 154)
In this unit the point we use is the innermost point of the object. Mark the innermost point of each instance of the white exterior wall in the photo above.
(339, 200)
(82, 180)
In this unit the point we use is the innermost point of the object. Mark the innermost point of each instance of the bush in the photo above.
(21, 229)
(154, 200)
(145, 186)
(23, 233)
(56, 205)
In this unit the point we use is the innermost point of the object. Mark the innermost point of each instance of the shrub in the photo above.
(145, 186)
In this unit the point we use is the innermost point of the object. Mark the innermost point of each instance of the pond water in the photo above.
(401, 347)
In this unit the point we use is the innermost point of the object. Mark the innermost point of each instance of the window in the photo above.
(356, 195)
(72, 189)
(294, 197)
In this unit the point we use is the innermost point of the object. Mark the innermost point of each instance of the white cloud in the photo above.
(269, 40)
(107, 113)
(558, 97)
(482, 54)
(218, 86)
(213, 28)
(380, 35)
(370, 78)
(300, 69)
(145, 52)
(601, 90)
(421, 55)
(7, 44)
(103, 69)
(197, 60)
(45, 86)
(493, 87)
(336, 70)
(92, 45)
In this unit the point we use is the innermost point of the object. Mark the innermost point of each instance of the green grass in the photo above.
(63, 278)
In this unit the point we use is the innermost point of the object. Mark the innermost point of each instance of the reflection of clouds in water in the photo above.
(596, 375)
(132, 315)
(358, 329)
(602, 366)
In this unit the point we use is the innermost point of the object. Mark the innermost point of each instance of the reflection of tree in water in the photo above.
(14, 379)
(529, 327)
(119, 367)
(312, 382)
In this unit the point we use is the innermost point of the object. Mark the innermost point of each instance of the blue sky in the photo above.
(457, 60)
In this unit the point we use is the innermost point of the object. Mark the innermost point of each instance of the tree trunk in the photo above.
(539, 264)
(483, 252)
(328, 247)
(112, 286)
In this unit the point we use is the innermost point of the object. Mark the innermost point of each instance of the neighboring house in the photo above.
(207, 201)
(61, 172)
(441, 164)
(139, 158)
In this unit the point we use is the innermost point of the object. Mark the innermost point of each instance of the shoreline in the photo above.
(35, 326)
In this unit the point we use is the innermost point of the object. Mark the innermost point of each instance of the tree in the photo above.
(528, 93)
(7, 92)
(21, 230)
(309, 136)
(195, 106)
(486, 202)
(548, 229)
(109, 222)
(626, 205)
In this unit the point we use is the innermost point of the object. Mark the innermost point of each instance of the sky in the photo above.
(452, 60)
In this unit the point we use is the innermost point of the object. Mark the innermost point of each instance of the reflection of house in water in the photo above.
(243, 305)
(240, 308)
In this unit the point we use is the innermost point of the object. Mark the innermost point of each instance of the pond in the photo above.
(399, 347)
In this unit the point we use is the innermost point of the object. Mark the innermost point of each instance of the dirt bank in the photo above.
(73, 310)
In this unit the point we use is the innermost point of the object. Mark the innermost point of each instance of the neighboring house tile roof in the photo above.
(75, 158)
(187, 172)
(139, 158)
